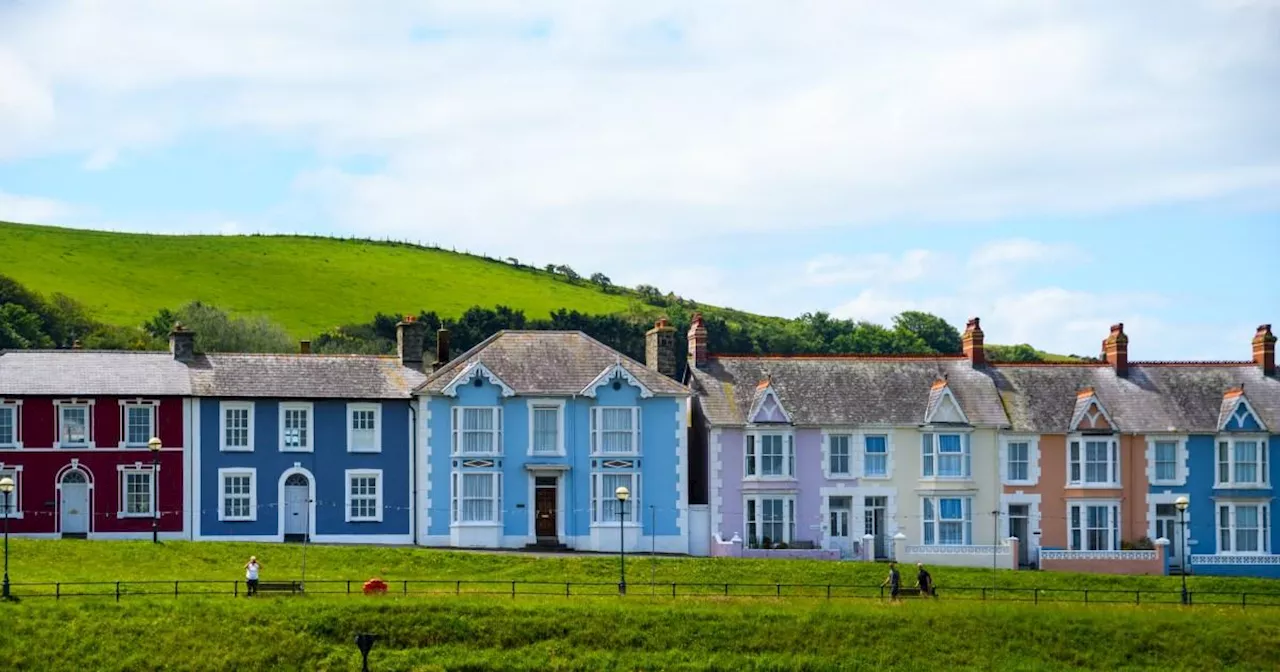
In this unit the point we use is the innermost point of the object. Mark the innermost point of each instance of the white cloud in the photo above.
(910, 266)
(17, 208)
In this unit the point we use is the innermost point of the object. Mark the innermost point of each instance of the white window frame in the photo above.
(1033, 459)
(456, 419)
(61, 405)
(931, 455)
(227, 472)
(223, 407)
(753, 454)
(14, 512)
(153, 421)
(1180, 460)
(1114, 524)
(374, 408)
(308, 409)
(547, 404)
(788, 519)
(1114, 461)
(1264, 525)
(850, 455)
(458, 503)
(966, 520)
(13, 407)
(1263, 463)
(352, 474)
(888, 455)
(599, 497)
(597, 431)
(123, 471)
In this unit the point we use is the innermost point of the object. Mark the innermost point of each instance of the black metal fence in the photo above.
(118, 590)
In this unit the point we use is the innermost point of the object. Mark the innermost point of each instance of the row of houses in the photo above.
(526, 438)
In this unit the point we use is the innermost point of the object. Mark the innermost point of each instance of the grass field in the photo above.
(306, 284)
(424, 632)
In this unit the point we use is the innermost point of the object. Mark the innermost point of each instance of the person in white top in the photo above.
(251, 575)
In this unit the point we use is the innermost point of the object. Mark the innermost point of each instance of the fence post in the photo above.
(779, 589)
(348, 586)
(57, 591)
(673, 589)
(235, 588)
(1086, 597)
(1037, 595)
(406, 586)
(726, 590)
(513, 590)
(984, 594)
(1137, 597)
(457, 587)
(566, 589)
(117, 591)
(175, 588)
(828, 591)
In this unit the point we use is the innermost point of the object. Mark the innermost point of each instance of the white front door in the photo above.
(1167, 528)
(839, 536)
(74, 503)
(296, 512)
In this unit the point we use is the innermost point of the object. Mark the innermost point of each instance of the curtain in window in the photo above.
(876, 456)
(477, 430)
(477, 498)
(1096, 461)
(1247, 529)
(951, 521)
(609, 484)
(1246, 462)
(1166, 461)
(615, 426)
(546, 429)
(929, 521)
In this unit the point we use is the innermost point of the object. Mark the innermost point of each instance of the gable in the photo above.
(616, 375)
(943, 406)
(1089, 414)
(768, 408)
(473, 372)
(1237, 415)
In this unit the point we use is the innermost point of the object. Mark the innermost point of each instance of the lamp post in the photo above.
(155, 445)
(622, 493)
(6, 486)
(1182, 503)
(364, 642)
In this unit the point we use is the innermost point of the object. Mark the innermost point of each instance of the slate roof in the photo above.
(844, 390)
(1153, 397)
(548, 362)
(92, 373)
(302, 376)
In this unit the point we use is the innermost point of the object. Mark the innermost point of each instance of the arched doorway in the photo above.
(73, 503)
(297, 512)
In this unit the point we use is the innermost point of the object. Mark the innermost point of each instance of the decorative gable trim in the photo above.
(617, 370)
(1236, 411)
(1090, 415)
(469, 373)
(766, 404)
(944, 408)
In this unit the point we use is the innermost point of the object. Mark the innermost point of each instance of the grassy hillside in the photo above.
(306, 284)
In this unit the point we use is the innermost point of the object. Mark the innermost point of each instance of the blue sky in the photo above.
(1051, 167)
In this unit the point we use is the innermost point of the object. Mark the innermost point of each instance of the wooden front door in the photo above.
(544, 507)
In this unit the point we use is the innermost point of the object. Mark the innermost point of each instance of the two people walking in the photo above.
(924, 581)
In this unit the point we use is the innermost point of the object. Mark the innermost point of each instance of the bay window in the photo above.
(1094, 526)
(604, 500)
(1242, 462)
(477, 497)
(770, 455)
(948, 521)
(770, 520)
(1093, 462)
(1244, 527)
(945, 455)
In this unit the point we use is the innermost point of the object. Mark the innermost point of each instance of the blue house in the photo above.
(528, 436)
(300, 446)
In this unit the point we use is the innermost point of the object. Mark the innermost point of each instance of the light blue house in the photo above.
(528, 436)
(300, 446)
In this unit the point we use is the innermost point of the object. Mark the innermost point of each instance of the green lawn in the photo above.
(306, 284)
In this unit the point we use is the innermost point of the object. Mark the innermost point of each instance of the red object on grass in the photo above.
(375, 586)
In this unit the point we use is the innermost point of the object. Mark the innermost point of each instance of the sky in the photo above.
(1051, 167)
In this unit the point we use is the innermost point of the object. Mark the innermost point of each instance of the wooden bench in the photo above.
(291, 587)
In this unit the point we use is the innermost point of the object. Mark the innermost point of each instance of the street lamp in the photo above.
(364, 642)
(1182, 503)
(6, 486)
(622, 493)
(155, 445)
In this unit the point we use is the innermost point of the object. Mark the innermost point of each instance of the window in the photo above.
(364, 495)
(9, 435)
(477, 430)
(838, 455)
(544, 428)
(615, 430)
(770, 455)
(1244, 527)
(1166, 460)
(945, 455)
(1019, 461)
(15, 497)
(137, 423)
(363, 421)
(771, 520)
(237, 426)
(604, 500)
(73, 425)
(477, 497)
(1095, 526)
(875, 457)
(137, 492)
(1242, 462)
(1094, 462)
(295, 428)
(948, 521)
(239, 494)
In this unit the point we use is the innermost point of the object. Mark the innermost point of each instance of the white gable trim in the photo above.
(476, 368)
(1235, 410)
(756, 407)
(1091, 400)
(608, 374)
(936, 414)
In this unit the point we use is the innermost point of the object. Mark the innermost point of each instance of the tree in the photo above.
(218, 332)
(602, 281)
(20, 328)
(1013, 353)
(936, 333)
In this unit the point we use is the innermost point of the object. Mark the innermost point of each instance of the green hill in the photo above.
(307, 284)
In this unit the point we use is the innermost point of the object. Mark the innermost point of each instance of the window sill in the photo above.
(768, 479)
(10, 446)
(229, 449)
(1093, 486)
(606, 456)
(296, 450)
(885, 477)
(468, 456)
(121, 514)
(1241, 486)
(841, 477)
(365, 451)
(614, 526)
(73, 446)
(222, 519)
(1174, 484)
(476, 524)
(364, 520)
(545, 454)
(1025, 484)
(17, 515)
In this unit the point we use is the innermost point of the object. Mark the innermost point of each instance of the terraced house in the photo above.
(528, 437)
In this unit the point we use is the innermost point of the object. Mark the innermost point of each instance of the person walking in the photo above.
(924, 581)
(893, 581)
(251, 575)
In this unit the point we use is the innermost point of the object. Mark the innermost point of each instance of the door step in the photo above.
(546, 545)
(75, 535)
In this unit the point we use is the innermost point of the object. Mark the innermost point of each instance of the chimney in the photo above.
(75, 345)
(972, 343)
(304, 347)
(660, 348)
(1115, 350)
(182, 343)
(1264, 350)
(698, 342)
(442, 348)
(409, 342)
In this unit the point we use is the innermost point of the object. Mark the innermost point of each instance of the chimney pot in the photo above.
(1264, 350)
(972, 342)
(660, 348)
(409, 342)
(1115, 350)
(442, 348)
(182, 343)
(698, 355)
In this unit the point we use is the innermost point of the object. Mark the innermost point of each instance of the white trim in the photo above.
(1263, 463)
(15, 497)
(619, 371)
(311, 500)
(457, 504)
(192, 491)
(1115, 525)
(752, 448)
(890, 493)
(861, 453)
(791, 518)
(1235, 410)
(154, 421)
(966, 519)
(1033, 458)
(14, 405)
(153, 486)
(857, 524)
(1079, 415)
(633, 508)
(59, 405)
(1115, 461)
(223, 473)
(307, 446)
(425, 486)
(546, 403)
(73, 465)
(476, 368)
(532, 482)
(352, 409)
(684, 411)
(932, 434)
(759, 405)
(851, 455)
(715, 480)
(457, 417)
(1099, 555)
(1180, 459)
(935, 414)
(1032, 502)
(1265, 525)
(595, 431)
(1168, 497)
(223, 407)
(349, 474)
